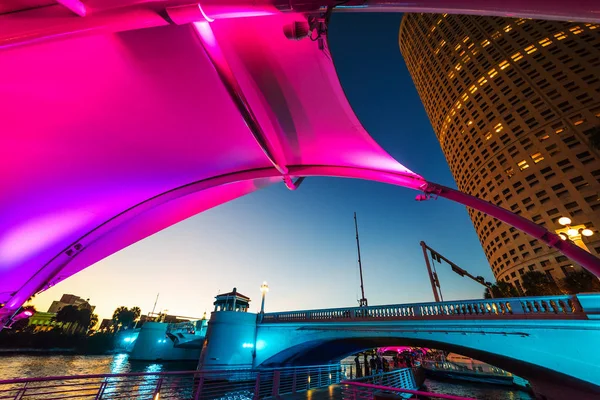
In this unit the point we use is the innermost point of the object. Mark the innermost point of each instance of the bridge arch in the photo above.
(549, 356)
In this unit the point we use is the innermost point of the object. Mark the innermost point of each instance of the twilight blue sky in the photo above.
(303, 242)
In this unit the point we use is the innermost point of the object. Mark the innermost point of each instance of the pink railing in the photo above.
(367, 391)
(180, 385)
(543, 307)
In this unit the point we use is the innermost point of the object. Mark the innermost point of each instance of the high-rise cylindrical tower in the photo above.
(515, 104)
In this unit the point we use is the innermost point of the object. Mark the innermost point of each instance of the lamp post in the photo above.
(573, 233)
(264, 288)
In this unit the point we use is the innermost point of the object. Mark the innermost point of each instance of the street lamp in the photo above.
(264, 288)
(573, 233)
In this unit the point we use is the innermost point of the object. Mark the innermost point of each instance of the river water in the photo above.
(20, 366)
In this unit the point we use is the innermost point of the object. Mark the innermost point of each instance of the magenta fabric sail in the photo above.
(103, 135)
(109, 135)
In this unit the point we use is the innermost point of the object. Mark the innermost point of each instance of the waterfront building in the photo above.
(70, 300)
(515, 105)
(43, 321)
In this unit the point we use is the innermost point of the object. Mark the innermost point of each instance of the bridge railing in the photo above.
(181, 385)
(542, 307)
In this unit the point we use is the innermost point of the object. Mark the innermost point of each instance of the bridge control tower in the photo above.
(231, 336)
(232, 301)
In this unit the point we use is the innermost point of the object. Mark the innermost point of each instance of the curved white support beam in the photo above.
(54, 266)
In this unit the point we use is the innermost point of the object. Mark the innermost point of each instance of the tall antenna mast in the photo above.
(363, 300)
(155, 301)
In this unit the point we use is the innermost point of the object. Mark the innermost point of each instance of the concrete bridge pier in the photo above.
(230, 341)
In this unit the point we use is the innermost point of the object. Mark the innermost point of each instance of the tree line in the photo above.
(535, 283)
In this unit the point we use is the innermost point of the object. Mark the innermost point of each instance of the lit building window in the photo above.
(451, 75)
(517, 56)
(504, 64)
(488, 136)
(473, 89)
(523, 165)
(560, 130)
(457, 67)
(576, 30)
(537, 157)
(507, 28)
(457, 47)
(465, 97)
(442, 43)
(465, 39)
(510, 172)
(498, 127)
(496, 35)
(545, 42)
(530, 49)
(493, 73)
(521, 21)
(485, 43)
(482, 81)
(560, 36)
(470, 123)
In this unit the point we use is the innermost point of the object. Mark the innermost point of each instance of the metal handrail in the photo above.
(540, 307)
(162, 373)
(196, 385)
(371, 389)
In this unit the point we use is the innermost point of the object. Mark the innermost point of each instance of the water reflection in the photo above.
(477, 391)
(119, 364)
(25, 366)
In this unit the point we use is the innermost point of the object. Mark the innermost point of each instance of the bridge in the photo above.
(543, 339)
(275, 130)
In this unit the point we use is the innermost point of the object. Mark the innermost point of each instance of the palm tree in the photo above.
(537, 283)
(580, 282)
(501, 290)
(93, 321)
(124, 317)
(136, 312)
(68, 316)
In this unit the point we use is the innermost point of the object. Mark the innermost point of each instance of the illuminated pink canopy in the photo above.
(109, 135)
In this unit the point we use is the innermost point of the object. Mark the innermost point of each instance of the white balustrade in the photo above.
(561, 306)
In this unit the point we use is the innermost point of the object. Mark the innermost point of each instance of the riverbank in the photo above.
(55, 342)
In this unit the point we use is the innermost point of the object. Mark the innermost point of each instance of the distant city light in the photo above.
(247, 345)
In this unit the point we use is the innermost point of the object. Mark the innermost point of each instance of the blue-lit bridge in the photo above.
(551, 341)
